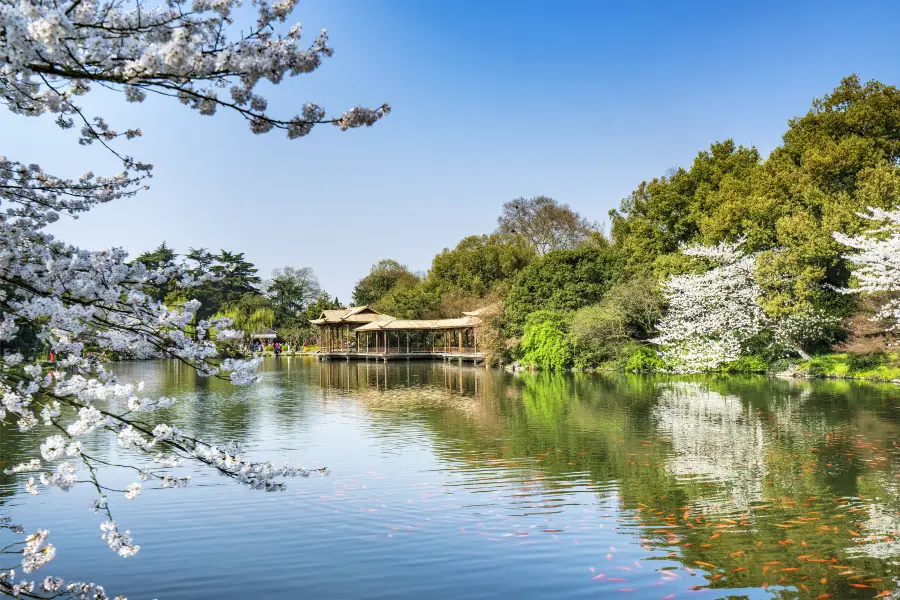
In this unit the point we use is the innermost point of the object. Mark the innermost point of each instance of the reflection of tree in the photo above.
(742, 474)
(730, 472)
(713, 437)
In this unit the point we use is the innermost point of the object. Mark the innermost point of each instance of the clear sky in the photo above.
(492, 100)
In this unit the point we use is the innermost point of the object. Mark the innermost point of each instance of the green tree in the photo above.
(545, 343)
(665, 212)
(251, 313)
(384, 276)
(560, 281)
(419, 301)
(160, 258)
(232, 278)
(479, 264)
(291, 291)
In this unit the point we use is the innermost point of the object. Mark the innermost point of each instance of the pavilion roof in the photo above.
(354, 314)
(392, 324)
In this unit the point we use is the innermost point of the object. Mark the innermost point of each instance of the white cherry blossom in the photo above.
(713, 314)
(72, 299)
(876, 262)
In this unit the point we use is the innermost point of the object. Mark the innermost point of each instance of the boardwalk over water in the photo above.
(362, 333)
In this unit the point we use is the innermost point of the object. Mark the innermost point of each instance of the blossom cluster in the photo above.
(70, 299)
(876, 262)
(35, 554)
(713, 314)
(51, 53)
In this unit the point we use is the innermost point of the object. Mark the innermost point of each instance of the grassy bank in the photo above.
(883, 366)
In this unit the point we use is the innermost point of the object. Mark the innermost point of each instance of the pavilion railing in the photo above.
(412, 349)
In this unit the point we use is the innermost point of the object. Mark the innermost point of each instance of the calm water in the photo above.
(456, 482)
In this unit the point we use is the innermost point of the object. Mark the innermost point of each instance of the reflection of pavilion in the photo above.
(361, 332)
(362, 378)
(714, 438)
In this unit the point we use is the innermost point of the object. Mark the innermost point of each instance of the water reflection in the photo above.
(532, 484)
(714, 437)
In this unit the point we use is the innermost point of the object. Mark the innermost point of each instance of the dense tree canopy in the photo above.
(225, 278)
(792, 213)
(835, 161)
(291, 291)
(384, 276)
(162, 257)
(479, 263)
(561, 280)
(663, 213)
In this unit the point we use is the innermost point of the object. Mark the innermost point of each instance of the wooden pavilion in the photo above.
(336, 327)
(363, 333)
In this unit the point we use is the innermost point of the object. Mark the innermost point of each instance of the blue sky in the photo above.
(492, 100)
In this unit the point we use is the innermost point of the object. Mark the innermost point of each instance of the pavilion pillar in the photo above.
(459, 334)
(475, 338)
(407, 342)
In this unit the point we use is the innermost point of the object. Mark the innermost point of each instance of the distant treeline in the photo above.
(231, 288)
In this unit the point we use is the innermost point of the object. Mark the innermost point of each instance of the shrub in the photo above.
(545, 343)
(628, 312)
(641, 358)
(597, 333)
(745, 364)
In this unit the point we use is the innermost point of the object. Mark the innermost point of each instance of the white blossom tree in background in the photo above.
(712, 315)
(73, 300)
(876, 262)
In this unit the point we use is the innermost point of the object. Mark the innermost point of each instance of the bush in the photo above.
(745, 364)
(862, 362)
(882, 366)
(642, 359)
(545, 343)
(602, 332)
(598, 332)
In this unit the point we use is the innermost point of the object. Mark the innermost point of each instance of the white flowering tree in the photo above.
(81, 304)
(876, 262)
(712, 315)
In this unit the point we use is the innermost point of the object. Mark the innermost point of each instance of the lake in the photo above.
(459, 482)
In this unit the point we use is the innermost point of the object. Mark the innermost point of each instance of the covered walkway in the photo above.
(382, 337)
